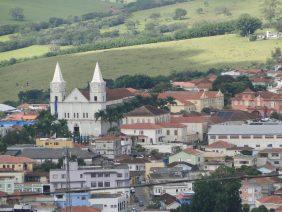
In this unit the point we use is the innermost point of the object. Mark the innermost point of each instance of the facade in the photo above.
(189, 155)
(262, 102)
(256, 136)
(17, 176)
(90, 177)
(219, 147)
(272, 156)
(55, 143)
(79, 107)
(16, 163)
(172, 189)
(194, 101)
(108, 146)
(77, 199)
(109, 202)
(244, 160)
(7, 185)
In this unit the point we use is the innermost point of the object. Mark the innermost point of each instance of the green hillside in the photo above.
(41, 10)
(151, 59)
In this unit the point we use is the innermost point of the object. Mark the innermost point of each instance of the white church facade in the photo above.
(80, 105)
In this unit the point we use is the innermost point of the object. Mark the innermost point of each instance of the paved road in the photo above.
(143, 194)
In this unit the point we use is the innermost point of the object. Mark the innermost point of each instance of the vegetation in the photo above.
(179, 14)
(224, 51)
(247, 25)
(17, 14)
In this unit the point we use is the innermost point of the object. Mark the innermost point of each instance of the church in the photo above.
(80, 105)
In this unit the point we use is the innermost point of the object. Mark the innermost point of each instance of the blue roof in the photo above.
(16, 123)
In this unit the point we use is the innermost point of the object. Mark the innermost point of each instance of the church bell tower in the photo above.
(97, 86)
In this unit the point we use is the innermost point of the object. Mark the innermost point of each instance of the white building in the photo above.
(256, 136)
(172, 189)
(109, 202)
(79, 106)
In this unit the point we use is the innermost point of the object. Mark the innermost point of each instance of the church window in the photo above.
(74, 115)
(68, 115)
(95, 98)
(86, 115)
(65, 115)
(77, 115)
(83, 115)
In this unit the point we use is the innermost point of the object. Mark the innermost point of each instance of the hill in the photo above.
(42, 10)
(152, 59)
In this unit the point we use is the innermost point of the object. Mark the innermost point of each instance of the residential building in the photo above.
(194, 101)
(146, 114)
(16, 163)
(246, 160)
(17, 176)
(172, 189)
(197, 126)
(174, 132)
(270, 202)
(7, 184)
(262, 81)
(169, 202)
(109, 202)
(190, 155)
(257, 136)
(90, 177)
(152, 164)
(262, 102)
(108, 146)
(79, 106)
(219, 147)
(211, 166)
(76, 199)
(54, 142)
(81, 208)
(270, 155)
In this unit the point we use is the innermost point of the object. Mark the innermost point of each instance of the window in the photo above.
(74, 115)
(222, 137)
(65, 114)
(269, 136)
(100, 184)
(63, 176)
(55, 176)
(107, 184)
(257, 145)
(100, 174)
(276, 162)
(274, 155)
(86, 115)
(68, 115)
(269, 145)
(81, 175)
(175, 132)
(95, 98)
(77, 115)
(278, 136)
(246, 136)
(212, 137)
(83, 198)
(167, 132)
(119, 175)
(107, 175)
(93, 184)
(93, 175)
(257, 136)
(234, 136)
(83, 115)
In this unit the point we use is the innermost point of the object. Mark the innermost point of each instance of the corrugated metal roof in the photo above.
(246, 130)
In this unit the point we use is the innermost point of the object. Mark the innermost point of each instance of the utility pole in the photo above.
(67, 158)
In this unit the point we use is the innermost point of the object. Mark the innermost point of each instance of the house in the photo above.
(108, 146)
(195, 85)
(270, 202)
(219, 147)
(193, 101)
(233, 73)
(169, 202)
(80, 105)
(109, 202)
(146, 114)
(270, 155)
(262, 81)
(152, 164)
(257, 136)
(262, 102)
(76, 199)
(197, 126)
(246, 160)
(172, 189)
(212, 166)
(188, 86)
(7, 184)
(173, 131)
(90, 177)
(16, 163)
(252, 72)
(190, 155)
(213, 156)
(16, 176)
(54, 142)
(81, 208)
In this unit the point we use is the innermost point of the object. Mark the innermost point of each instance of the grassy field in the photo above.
(152, 59)
(236, 7)
(27, 52)
(41, 10)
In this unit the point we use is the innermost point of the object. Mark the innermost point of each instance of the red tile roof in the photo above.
(111, 94)
(189, 119)
(82, 209)
(221, 144)
(147, 110)
(141, 126)
(192, 151)
(14, 159)
(271, 199)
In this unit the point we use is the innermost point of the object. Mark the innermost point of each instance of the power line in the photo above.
(149, 184)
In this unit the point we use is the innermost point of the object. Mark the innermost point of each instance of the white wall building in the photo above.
(109, 202)
(172, 189)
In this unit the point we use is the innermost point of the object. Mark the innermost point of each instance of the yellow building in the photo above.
(152, 164)
(54, 143)
(16, 163)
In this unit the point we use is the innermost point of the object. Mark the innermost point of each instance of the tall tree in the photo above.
(270, 9)
(247, 24)
(179, 13)
(217, 195)
(17, 14)
(277, 55)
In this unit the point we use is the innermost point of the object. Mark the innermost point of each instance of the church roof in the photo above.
(58, 77)
(111, 94)
(146, 110)
(97, 76)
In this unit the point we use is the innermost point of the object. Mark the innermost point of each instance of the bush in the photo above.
(252, 38)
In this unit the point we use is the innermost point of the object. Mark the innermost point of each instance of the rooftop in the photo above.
(192, 151)
(271, 199)
(220, 144)
(147, 110)
(14, 159)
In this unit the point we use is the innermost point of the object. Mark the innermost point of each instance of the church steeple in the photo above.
(97, 76)
(97, 86)
(58, 77)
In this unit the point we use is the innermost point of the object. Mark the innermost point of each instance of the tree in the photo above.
(17, 14)
(179, 13)
(261, 208)
(247, 25)
(200, 10)
(278, 25)
(221, 195)
(271, 9)
(277, 55)
(155, 16)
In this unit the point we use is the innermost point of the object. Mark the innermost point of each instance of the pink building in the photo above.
(262, 102)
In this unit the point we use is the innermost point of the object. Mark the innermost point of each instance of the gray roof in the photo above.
(6, 108)
(49, 153)
(245, 130)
